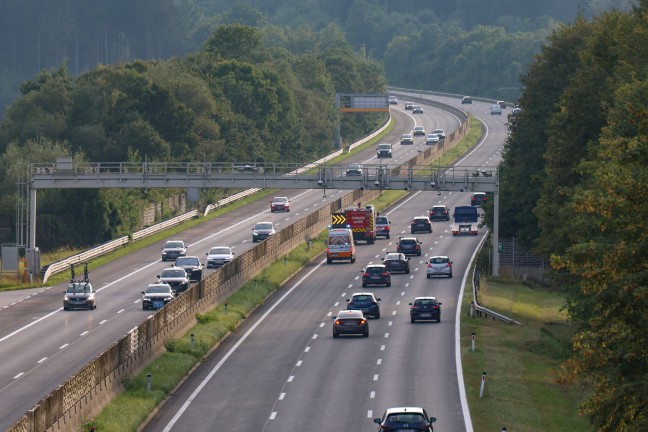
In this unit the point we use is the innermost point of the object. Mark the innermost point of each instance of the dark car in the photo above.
(263, 230)
(407, 139)
(173, 249)
(502, 104)
(417, 110)
(384, 150)
(409, 246)
(79, 295)
(439, 212)
(425, 308)
(350, 322)
(383, 226)
(156, 296)
(365, 302)
(466, 100)
(421, 223)
(376, 274)
(397, 262)
(354, 170)
(192, 265)
(405, 419)
(478, 198)
(176, 277)
(280, 204)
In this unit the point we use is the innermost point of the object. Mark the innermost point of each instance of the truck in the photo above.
(465, 220)
(362, 222)
(340, 246)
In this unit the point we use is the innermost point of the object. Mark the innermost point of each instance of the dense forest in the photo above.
(235, 100)
(573, 188)
(459, 46)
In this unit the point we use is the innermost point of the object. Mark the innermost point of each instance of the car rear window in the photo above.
(438, 260)
(362, 298)
(375, 270)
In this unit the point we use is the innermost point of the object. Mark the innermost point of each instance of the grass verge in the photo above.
(521, 389)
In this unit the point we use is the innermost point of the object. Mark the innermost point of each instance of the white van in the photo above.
(340, 245)
(496, 109)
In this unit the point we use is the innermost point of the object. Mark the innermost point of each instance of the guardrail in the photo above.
(163, 225)
(474, 305)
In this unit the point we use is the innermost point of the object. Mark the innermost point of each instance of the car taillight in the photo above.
(448, 265)
(362, 322)
(429, 265)
(374, 303)
(366, 275)
(385, 274)
(445, 212)
(386, 228)
(414, 307)
(436, 307)
(338, 322)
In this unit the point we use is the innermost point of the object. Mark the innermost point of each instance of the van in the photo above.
(340, 245)
(496, 109)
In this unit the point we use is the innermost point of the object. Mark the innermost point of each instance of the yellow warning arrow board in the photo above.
(338, 219)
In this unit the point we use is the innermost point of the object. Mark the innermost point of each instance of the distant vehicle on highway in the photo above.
(218, 256)
(156, 296)
(409, 105)
(173, 249)
(354, 170)
(376, 274)
(432, 139)
(393, 100)
(417, 110)
(365, 302)
(280, 204)
(439, 212)
(176, 277)
(405, 419)
(396, 261)
(439, 265)
(407, 139)
(262, 230)
(350, 322)
(384, 150)
(192, 265)
(420, 223)
(418, 130)
(79, 295)
(383, 226)
(425, 308)
(466, 100)
(440, 133)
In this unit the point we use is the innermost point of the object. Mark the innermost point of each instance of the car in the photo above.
(396, 261)
(439, 212)
(280, 204)
(418, 130)
(409, 105)
(439, 266)
(409, 246)
(176, 277)
(173, 249)
(502, 104)
(350, 322)
(79, 295)
(407, 139)
(262, 230)
(466, 100)
(218, 256)
(192, 265)
(376, 274)
(516, 111)
(384, 150)
(496, 110)
(405, 419)
(365, 302)
(370, 207)
(354, 170)
(156, 296)
(417, 110)
(393, 100)
(432, 139)
(383, 226)
(420, 223)
(478, 198)
(440, 133)
(425, 308)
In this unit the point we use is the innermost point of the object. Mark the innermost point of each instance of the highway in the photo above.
(41, 345)
(283, 371)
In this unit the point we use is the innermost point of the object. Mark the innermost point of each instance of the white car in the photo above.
(218, 256)
(439, 133)
(432, 139)
(418, 130)
(439, 266)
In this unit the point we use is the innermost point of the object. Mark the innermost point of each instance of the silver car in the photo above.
(219, 256)
(439, 266)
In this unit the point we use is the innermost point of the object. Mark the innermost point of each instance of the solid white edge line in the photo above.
(211, 374)
(460, 378)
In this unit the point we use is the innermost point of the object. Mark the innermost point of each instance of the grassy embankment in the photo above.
(521, 389)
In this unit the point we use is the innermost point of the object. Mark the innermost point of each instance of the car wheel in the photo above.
(377, 316)
(430, 231)
(364, 285)
(366, 333)
(388, 284)
(328, 261)
(450, 275)
(352, 260)
(407, 271)
(419, 254)
(66, 308)
(412, 320)
(387, 236)
(143, 307)
(412, 231)
(428, 276)
(439, 319)
(335, 334)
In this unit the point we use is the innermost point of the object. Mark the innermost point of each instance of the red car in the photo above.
(280, 204)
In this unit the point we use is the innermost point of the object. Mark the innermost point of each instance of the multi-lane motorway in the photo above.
(282, 370)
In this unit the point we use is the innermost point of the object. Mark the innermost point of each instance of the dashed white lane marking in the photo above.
(291, 378)
(370, 414)
(307, 349)
(282, 396)
(375, 378)
(299, 363)
(41, 360)
(386, 335)
(315, 336)
(103, 322)
(63, 346)
(120, 311)
(84, 333)
(379, 362)
(321, 325)
(382, 347)
(372, 395)
(273, 415)
(19, 375)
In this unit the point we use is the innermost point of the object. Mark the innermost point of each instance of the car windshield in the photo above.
(406, 418)
(437, 260)
(408, 242)
(438, 131)
(187, 261)
(79, 288)
(421, 221)
(438, 209)
(354, 167)
(281, 199)
(393, 256)
(384, 146)
(425, 302)
(173, 273)
(407, 136)
(220, 251)
(158, 289)
(263, 226)
(173, 245)
(382, 220)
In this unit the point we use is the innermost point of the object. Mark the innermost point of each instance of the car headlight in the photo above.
(66, 298)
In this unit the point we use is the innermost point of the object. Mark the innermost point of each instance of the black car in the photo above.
(478, 198)
(365, 302)
(439, 212)
(173, 249)
(405, 419)
(466, 100)
(176, 277)
(397, 262)
(156, 296)
(351, 322)
(376, 274)
(417, 110)
(409, 246)
(384, 150)
(425, 308)
(421, 223)
(192, 266)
